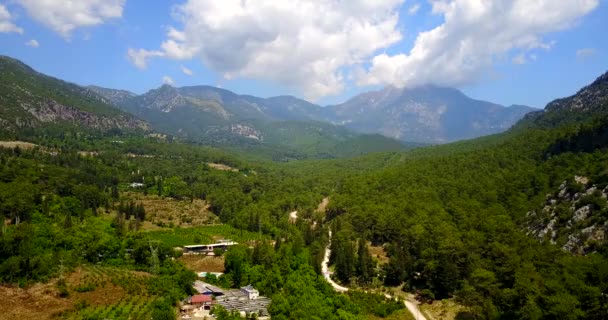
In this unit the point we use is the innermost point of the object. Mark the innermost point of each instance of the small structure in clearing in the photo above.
(207, 249)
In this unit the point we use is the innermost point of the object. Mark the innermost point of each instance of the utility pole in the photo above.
(154, 261)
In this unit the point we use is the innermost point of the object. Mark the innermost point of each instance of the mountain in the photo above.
(283, 126)
(590, 101)
(115, 97)
(31, 99)
(427, 114)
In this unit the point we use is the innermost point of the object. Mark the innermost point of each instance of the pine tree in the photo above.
(365, 264)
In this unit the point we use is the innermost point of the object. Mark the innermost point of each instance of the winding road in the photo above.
(412, 306)
(325, 269)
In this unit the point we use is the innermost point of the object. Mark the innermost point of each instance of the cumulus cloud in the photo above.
(303, 44)
(168, 80)
(413, 9)
(33, 43)
(473, 35)
(6, 21)
(585, 53)
(140, 57)
(65, 16)
(519, 59)
(186, 71)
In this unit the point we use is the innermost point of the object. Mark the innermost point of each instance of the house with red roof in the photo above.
(202, 301)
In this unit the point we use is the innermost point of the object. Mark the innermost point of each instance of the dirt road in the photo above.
(325, 269)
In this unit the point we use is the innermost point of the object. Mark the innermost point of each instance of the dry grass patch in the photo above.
(167, 211)
(446, 309)
(402, 314)
(223, 167)
(21, 144)
(378, 253)
(199, 263)
(40, 301)
(323, 205)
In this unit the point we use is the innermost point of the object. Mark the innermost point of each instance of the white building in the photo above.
(251, 292)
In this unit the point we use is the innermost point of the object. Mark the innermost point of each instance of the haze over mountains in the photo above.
(427, 114)
(387, 120)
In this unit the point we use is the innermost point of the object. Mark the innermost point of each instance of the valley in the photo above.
(330, 222)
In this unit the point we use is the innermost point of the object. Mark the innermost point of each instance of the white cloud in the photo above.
(140, 57)
(473, 35)
(168, 80)
(302, 44)
(33, 43)
(585, 53)
(413, 9)
(6, 22)
(519, 59)
(65, 16)
(186, 71)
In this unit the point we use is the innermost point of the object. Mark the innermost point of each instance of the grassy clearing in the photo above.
(207, 234)
(21, 144)
(442, 309)
(378, 253)
(222, 167)
(402, 314)
(161, 212)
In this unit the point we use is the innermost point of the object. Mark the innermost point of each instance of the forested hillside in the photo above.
(445, 221)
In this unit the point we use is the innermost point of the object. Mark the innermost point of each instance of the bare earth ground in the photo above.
(223, 167)
(20, 144)
(39, 301)
(181, 213)
(323, 205)
(378, 253)
(198, 263)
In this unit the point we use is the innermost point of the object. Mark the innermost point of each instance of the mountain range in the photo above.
(427, 114)
(386, 120)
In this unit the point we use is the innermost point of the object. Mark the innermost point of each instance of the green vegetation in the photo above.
(200, 235)
(452, 220)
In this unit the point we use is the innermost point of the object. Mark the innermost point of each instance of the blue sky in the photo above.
(514, 62)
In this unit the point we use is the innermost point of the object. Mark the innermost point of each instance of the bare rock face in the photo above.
(30, 99)
(582, 213)
(50, 111)
(572, 217)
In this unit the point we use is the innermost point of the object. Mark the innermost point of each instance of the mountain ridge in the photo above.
(427, 114)
(32, 99)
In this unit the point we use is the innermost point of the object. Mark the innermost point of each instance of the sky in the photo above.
(505, 51)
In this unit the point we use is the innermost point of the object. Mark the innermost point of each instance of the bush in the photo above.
(63, 288)
(86, 287)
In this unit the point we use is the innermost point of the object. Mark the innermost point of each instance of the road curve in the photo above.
(325, 269)
(411, 306)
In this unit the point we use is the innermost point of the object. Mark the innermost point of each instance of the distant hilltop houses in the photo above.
(246, 300)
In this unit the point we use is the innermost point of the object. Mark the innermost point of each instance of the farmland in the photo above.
(205, 234)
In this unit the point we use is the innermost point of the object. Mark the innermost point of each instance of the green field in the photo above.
(200, 235)
(132, 307)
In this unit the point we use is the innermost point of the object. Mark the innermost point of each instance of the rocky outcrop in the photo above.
(574, 217)
(49, 111)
